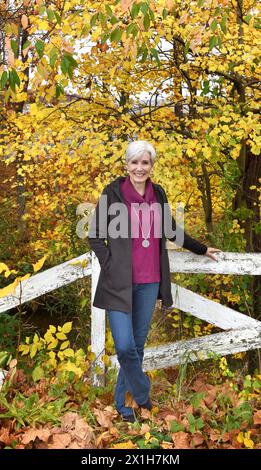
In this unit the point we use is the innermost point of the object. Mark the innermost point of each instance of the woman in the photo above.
(134, 265)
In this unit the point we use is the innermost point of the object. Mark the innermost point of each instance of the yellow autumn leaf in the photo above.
(106, 360)
(61, 336)
(37, 266)
(70, 367)
(9, 289)
(124, 445)
(64, 345)
(68, 352)
(53, 344)
(52, 362)
(248, 443)
(48, 336)
(4, 267)
(82, 263)
(91, 356)
(24, 349)
(66, 328)
(33, 350)
(36, 339)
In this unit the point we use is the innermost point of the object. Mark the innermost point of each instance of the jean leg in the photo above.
(120, 393)
(135, 379)
(144, 302)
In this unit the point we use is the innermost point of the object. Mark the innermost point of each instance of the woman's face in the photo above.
(140, 168)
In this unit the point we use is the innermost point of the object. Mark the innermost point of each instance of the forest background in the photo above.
(78, 81)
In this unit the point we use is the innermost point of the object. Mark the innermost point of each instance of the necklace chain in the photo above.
(145, 242)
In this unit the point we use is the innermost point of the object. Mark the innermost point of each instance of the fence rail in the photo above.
(243, 332)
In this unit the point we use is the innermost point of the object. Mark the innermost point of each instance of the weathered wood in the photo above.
(225, 343)
(228, 263)
(65, 273)
(98, 328)
(47, 281)
(245, 334)
(210, 311)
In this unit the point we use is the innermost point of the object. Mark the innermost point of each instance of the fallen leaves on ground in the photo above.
(174, 424)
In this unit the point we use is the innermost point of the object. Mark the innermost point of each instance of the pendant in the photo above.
(145, 243)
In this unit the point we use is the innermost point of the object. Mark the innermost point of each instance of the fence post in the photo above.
(98, 327)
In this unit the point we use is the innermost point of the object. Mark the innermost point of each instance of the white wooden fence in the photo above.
(242, 332)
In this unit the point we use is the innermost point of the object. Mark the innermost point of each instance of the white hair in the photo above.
(137, 148)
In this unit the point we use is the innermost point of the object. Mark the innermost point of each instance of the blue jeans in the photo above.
(129, 332)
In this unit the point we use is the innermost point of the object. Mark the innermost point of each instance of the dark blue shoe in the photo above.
(129, 418)
(147, 405)
(127, 414)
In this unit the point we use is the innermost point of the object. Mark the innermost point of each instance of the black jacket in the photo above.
(114, 288)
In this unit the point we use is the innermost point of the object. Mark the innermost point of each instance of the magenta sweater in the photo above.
(145, 261)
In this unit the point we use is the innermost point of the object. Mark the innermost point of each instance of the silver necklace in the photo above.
(145, 242)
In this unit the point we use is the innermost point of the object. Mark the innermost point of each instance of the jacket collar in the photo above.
(115, 187)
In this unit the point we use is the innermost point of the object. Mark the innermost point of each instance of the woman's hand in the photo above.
(210, 252)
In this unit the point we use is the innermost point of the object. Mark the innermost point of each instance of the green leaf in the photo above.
(39, 46)
(104, 38)
(186, 48)
(59, 90)
(42, 10)
(213, 25)
(176, 427)
(116, 35)
(146, 22)
(154, 54)
(103, 19)
(200, 423)
(4, 79)
(223, 24)
(144, 7)
(71, 59)
(196, 400)
(16, 78)
(135, 10)
(68, 64)
(26, 44)
(144, 55)
(152, 16)
(13, 79)
(108, 10)
(53, 56)
(65, 65)
(247, 18)
(164, 13)
(206, 87)
(94, 19)
(132, 28)
(212, 42)
(38, 373)
(50, 14)
(58, 18)
(14, 46)
(114, 20)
